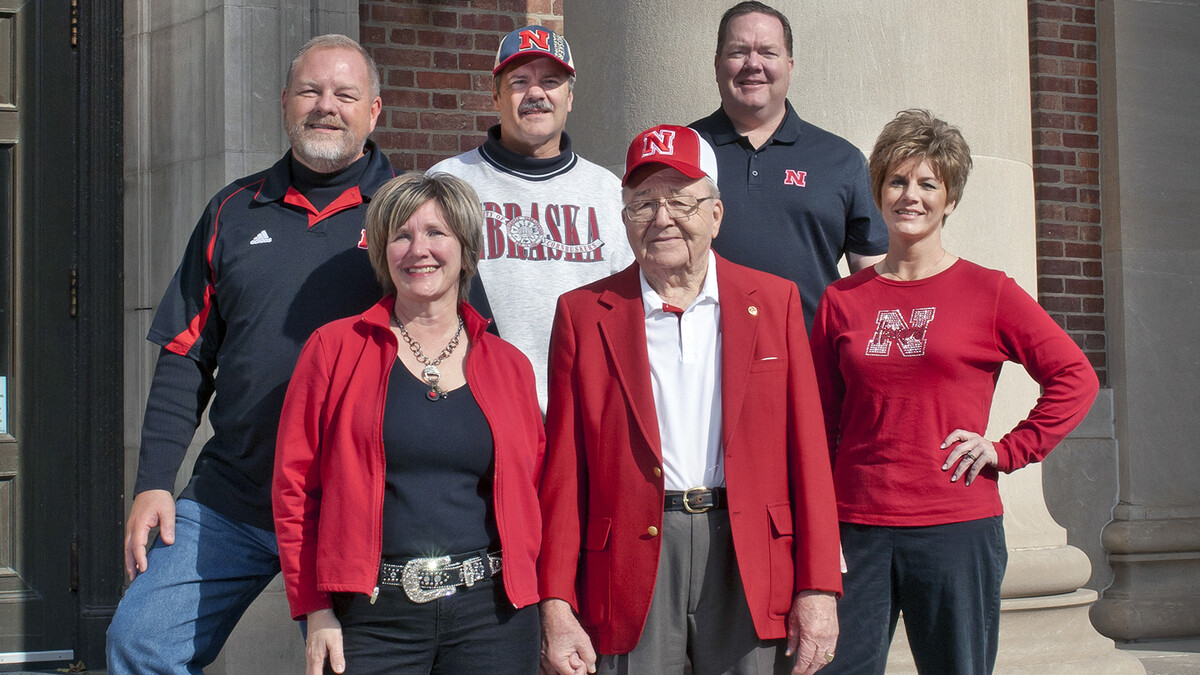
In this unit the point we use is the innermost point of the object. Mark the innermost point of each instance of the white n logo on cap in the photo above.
(660, 142)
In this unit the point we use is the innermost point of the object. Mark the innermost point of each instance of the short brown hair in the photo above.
(917, 134)
(397, 201)
(752, 7)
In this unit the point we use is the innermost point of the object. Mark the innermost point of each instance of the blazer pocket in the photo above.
(597, 534)
(595, 565)
(768, 363)
(782, 552)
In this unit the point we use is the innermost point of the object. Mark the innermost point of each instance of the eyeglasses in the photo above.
(678, 206)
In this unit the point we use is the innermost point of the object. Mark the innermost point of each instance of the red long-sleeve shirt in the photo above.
(902, 364)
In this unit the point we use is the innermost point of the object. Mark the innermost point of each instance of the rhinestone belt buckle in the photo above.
(427, 579)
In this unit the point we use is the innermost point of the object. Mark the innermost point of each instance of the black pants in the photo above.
(476, 630)
(946, 581)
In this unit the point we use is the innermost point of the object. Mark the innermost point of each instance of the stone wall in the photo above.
(1152, 257)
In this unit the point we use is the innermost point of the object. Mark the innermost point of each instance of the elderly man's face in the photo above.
(533, 99)
(669, 244)
(753, 68)
(328, 108)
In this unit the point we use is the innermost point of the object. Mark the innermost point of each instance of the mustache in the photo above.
(540, 105)
(327, 121)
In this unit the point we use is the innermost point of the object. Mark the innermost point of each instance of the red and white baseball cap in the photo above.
(535, 41)
(680, 148)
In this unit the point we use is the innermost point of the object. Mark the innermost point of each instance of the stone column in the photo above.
(202, 107)
(857, 63)
(1149, 93)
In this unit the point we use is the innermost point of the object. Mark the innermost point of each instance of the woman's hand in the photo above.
(324, 643)
(970, 456)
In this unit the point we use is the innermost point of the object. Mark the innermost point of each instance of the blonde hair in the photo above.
(396, 202)
(336, 41)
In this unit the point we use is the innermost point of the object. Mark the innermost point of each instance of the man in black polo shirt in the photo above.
(274, 256)
(796, 197)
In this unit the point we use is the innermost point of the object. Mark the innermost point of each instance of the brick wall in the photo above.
(436, 60)
(1066, 170)
(436, 63)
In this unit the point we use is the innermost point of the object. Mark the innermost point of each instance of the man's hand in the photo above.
(566, 647)
(812, 630)
(324, 642)
(151, 509)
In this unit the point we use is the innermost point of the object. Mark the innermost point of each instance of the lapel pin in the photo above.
(752, 310)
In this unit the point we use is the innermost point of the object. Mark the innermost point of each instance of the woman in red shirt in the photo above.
(907, 356)
(409, 453)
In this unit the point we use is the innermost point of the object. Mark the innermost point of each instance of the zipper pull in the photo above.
(374, 595)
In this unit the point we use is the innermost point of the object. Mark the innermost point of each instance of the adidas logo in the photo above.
(261, 238)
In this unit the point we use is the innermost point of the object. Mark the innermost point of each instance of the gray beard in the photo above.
(325, 155)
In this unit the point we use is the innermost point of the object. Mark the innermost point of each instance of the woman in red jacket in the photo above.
(907, 355)
(409, 453)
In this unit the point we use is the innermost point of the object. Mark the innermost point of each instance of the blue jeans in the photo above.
(176, 616)
(946, 581)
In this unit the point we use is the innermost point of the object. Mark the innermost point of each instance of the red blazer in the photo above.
(330, 465)
(602, 489)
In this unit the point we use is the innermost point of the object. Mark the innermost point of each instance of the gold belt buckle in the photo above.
(687, 501)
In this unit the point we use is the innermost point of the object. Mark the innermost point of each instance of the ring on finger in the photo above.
(969, 457)
(828, 657)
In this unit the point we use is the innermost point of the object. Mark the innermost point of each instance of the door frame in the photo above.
(68, 330)
(99, 363)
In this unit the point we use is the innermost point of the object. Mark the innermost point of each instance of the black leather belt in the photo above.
(695, 500)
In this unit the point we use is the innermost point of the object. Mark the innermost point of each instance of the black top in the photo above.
(264, 268)
(523, 166)
(440, 471)
(321, 189)
(795, 205)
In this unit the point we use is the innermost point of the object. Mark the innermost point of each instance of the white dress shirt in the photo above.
(685, 373)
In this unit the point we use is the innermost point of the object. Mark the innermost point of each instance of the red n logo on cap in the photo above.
(794, 177)
(533, 38)
(661, 142)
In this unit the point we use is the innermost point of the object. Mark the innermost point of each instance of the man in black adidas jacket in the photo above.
(274, 256)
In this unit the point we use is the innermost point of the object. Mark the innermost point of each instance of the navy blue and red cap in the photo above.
(534, 41)
(680, 148)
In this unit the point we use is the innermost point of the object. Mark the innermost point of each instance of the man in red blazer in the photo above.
(688, 509)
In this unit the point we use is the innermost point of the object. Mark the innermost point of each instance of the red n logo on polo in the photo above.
(533, 38)
(794, 177)
(660, 142)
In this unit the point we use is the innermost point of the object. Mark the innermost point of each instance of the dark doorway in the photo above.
(61, 478)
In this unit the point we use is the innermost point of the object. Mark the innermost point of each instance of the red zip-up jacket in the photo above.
(330, 466)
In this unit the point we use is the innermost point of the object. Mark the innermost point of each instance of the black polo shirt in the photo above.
(264, 268)
(794, 206)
